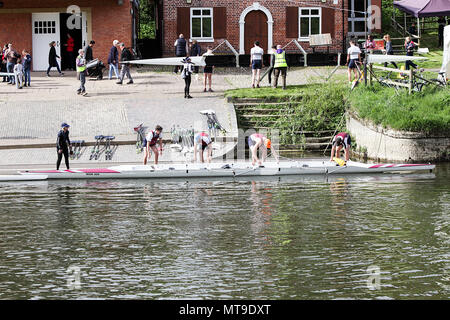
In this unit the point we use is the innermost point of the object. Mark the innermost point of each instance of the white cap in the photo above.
(115, 42)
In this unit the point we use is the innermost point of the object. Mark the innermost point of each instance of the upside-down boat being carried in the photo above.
(217, 170)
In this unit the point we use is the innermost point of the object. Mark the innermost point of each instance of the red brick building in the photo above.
(33, 24)
(241, 22)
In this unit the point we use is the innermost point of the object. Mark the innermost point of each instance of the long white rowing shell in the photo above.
(215, 170)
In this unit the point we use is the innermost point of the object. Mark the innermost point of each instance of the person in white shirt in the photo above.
(186, 75)
(202, 142)
(18, 73)
(256, 56)
(353, 57)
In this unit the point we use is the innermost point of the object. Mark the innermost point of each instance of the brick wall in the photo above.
(234, 11)
(109, 21)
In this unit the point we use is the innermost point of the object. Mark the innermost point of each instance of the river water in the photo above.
(341, 237)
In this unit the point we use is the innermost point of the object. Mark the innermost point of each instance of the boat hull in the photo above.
(218, 170)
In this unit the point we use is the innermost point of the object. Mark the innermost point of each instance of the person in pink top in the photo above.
(341, 140)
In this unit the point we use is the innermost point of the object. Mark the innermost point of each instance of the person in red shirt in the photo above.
(70, 47)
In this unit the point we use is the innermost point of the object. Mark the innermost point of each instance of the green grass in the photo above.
(427, 112)
(292, 93)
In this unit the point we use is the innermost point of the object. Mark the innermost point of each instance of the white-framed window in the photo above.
(202, 24)
(310, 22)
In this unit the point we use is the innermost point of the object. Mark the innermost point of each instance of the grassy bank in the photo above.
(427, 112)
(321, 106)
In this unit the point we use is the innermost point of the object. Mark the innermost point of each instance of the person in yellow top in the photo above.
(280, 66)
(81, 71)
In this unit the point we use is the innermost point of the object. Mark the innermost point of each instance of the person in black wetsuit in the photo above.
(63, 145)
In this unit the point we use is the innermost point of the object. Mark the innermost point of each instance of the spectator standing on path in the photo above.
(353, 57)
(280, 66)
(272, 63)
(18, 73)
(81, 71)
(186, 75)
(196, 51)
(26, 62)
(11, 56)
(256, 55)
(113, 60)
(63, 145)
(70, 47)
(389, 50)
(441, 27)
(88, 52)
(126, 55)
(181, 49)
(4, 61)
(52, 62)
(409, 47)
(208, 70)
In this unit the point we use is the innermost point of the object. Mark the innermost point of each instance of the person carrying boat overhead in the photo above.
(153, 137)
(341, 140)
(257, 141)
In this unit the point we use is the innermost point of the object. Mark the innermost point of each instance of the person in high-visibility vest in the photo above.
(280, 66)
(81, 71)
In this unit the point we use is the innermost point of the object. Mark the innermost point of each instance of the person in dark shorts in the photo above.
(153, 137)
(63, 145)
(341, 141)
(256, 63)
(353, 57)
(203, 140)
(208, 70)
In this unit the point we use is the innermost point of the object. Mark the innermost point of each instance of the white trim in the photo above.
(255, 7)
(306, 39)
(202, 39)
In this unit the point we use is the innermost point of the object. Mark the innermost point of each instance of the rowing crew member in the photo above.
(256, 141)
(203, 141)
(341, 140)
(153, 137)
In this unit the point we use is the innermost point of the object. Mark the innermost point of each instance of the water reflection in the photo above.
(289, 237)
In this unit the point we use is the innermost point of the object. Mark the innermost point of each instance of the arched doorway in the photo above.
(256, 23)
(255, 29)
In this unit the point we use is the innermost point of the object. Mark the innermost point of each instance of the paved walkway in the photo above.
(32, 115)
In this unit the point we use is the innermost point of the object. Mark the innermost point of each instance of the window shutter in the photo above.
(292, 22)
(220, 22)
(184, 22)
(328, 21)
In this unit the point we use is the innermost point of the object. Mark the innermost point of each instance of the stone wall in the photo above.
(391, 145)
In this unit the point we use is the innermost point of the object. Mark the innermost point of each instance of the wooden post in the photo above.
(410, 80)
(365, 72)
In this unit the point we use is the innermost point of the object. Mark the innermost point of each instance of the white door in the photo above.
(45, 30)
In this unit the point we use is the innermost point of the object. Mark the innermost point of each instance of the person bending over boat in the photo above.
(153, 137)
(203, 142)
(257, 141)
(341, 141)
(63, 145)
